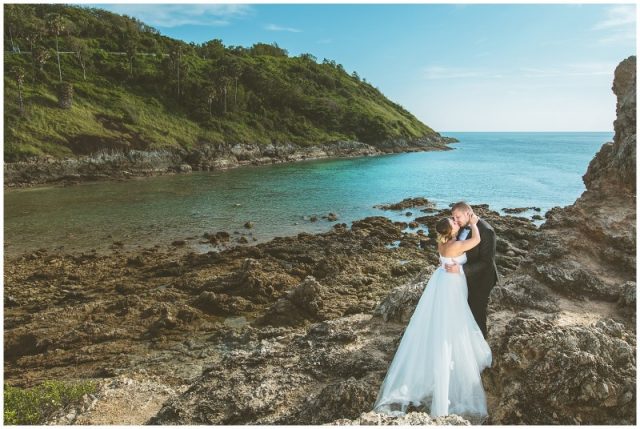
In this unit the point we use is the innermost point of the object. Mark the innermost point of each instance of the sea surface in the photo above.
(503, 170)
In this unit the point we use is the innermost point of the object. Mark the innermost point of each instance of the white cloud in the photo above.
(570, 70)
(618, 26)
(174, 15)
(274, 27)
(618, 16)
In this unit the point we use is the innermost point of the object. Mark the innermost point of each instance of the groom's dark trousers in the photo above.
(481, 273)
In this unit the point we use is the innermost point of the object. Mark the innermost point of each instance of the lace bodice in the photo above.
(447, 260)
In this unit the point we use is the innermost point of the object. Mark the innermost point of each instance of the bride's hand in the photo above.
(474, 219)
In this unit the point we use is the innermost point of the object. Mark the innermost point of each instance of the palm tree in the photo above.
(79, 46)
(131, 49)
(223, 82)
(211, 96)
(236, 71)
(18, 74)
(176, 56)
(56, 26)
(33, 32)
(11, 15)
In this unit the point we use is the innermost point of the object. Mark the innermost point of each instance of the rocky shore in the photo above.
(313, 313)
(116, 164)
(301, 330)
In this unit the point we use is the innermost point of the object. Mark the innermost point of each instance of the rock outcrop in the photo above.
(120, 164)
(566, 317)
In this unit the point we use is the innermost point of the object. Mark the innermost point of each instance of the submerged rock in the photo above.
(407, 203)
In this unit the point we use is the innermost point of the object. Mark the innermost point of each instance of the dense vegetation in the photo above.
(79, 79)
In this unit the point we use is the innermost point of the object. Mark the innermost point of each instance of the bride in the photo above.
(442, 351)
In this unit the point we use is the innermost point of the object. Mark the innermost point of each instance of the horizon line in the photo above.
(527, 131)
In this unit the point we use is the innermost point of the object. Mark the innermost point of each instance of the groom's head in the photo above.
(461, 213)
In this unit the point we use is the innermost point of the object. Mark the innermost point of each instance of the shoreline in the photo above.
(121, 166)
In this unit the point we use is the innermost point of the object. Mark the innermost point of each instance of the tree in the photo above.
(40, 56)
(175, 56)
(18, 74)
(213, 49)
(56, 25)
(235, 68)
(211, 96)
(264, 49)
(223, 83)
(308, 57)
(81, 50)
(11, 14)
(33, 33)
(130, 37)
(131, 48)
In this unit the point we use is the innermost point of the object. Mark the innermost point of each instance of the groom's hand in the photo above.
(452, 268)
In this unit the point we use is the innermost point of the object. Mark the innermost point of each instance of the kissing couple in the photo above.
(444, 349)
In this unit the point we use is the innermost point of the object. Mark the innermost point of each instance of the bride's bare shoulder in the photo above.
(449, 249)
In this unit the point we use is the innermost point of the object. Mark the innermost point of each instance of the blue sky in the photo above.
(471, 67)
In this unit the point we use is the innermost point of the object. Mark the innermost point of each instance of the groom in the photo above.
(480, 270)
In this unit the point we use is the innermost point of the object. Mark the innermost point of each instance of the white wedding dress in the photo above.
(441, 354)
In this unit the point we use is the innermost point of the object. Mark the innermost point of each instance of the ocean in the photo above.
(504, 170)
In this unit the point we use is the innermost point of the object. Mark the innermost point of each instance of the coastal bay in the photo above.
(534, 169)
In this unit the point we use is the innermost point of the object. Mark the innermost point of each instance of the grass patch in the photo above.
(35, 405)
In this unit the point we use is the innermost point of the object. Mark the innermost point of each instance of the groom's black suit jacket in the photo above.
(480, 269)
(481, 273)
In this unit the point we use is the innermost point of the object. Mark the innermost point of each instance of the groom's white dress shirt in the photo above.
(463, 236)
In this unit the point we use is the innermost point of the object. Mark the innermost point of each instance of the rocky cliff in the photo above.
(571, 304)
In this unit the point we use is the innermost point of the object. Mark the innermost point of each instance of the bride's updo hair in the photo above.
(444, 230)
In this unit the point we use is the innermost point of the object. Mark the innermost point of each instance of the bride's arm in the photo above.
(464, 245)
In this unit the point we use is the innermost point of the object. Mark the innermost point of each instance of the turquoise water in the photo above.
(500, 169)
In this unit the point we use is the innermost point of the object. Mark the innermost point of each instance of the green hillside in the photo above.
(130, 87)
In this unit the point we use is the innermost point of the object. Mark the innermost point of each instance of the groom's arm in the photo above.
(487, 254)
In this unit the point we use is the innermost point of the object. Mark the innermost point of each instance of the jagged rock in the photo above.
(583, 374)
(372, 418)
(307, 296)
(570, 277)
(223, 304)
(520, 292)
(628, 294)
(184, 168)
(614, 167)
(407, 203)
(400, 303)
(345, 399)
(302, 303)
(520, 209)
